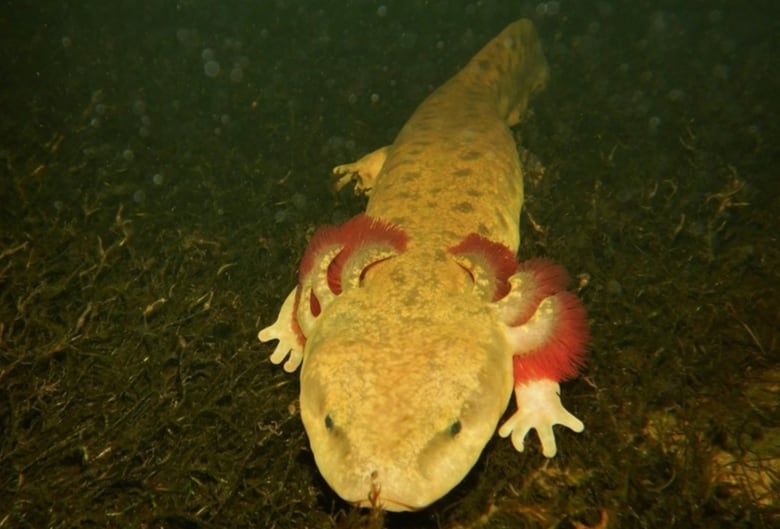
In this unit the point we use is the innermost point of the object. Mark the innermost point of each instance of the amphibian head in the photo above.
(397, 414)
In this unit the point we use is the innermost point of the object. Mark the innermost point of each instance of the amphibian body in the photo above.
(415, 322)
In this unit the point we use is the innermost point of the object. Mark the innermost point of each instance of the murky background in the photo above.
(162, 165)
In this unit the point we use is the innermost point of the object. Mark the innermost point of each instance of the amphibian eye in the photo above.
(328, 422)
(455, 428)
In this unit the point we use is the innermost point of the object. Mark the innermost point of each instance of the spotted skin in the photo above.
(414, 323)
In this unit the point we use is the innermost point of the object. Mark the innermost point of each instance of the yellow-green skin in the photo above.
(404, 379)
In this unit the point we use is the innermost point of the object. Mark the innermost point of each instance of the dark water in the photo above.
(162, 167)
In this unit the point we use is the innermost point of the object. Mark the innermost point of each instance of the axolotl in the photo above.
(414, 321)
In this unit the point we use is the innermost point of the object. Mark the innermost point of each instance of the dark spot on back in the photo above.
(463, 207)
(470, 155)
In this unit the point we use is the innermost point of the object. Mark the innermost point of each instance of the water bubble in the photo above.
(374, 98)
(728, 46)
(66, 42)
(128, 155)
(187, 37)
(381, 11)
(605, 9)
(715, 16)
(236, 74)
(231, 43)
(281, 215)
(653, 123)
(94, 123)
(335, 142)
(553, 8)
(675, 95)
(58, 205)
(143, 131)
(659, 22)
(100, 109)
(696, 228)
(211, 68)
(407, 40)
(97, 96)
(614, 287)
(139, 107)
(352, 99)
(139, 196)
(224, 119)
(207, 54)
(158, 179)
(146, 120)
(625, 195)
(298, 201)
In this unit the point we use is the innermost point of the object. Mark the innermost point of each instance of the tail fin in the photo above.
(512, 65)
